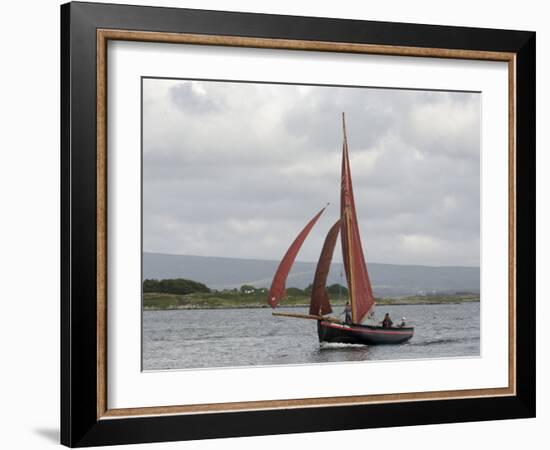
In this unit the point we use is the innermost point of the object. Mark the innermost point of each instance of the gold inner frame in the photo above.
(104, 35)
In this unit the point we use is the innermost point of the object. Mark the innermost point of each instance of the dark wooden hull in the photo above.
(362, 334)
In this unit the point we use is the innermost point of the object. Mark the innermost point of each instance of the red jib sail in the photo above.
(320, 304)
(360, 290)
(277, 290)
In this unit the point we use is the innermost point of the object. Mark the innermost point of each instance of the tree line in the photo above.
(179, 286)
(182, 286)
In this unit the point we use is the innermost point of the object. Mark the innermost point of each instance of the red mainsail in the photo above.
(277, 290)
(320, 304)
(360, 290)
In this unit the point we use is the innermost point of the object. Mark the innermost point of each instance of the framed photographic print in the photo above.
(277, 224)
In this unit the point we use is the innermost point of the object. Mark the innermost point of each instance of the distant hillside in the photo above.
(387, 279)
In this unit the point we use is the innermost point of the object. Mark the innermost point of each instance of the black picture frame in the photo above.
(80, 425)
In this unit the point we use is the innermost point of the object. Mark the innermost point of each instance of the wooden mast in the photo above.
(346, 213)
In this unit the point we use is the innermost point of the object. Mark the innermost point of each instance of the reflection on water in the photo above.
(249, 337)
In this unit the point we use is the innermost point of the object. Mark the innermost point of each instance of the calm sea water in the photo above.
(184, 339)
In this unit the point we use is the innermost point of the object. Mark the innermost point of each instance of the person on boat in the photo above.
(387, 322)
(371, 316)
(403, 324)
(347, 312)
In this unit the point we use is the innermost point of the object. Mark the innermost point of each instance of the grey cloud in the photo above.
(188, 98)
(236, 169)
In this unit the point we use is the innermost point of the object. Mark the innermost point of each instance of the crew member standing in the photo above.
(347, 312)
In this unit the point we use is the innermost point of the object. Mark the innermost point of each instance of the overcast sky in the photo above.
(237, 169)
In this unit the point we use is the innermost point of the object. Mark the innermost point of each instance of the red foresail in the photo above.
(320, 304)
(277, 290)
(360, 290)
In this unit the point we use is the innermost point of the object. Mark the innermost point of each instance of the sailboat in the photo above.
(361, 298)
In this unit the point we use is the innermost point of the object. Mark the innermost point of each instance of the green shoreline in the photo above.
(233, 300)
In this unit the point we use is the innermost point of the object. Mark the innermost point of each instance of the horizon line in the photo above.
(306, 262)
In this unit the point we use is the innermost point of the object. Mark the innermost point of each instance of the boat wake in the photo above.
(333, 345)
(439, 341)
